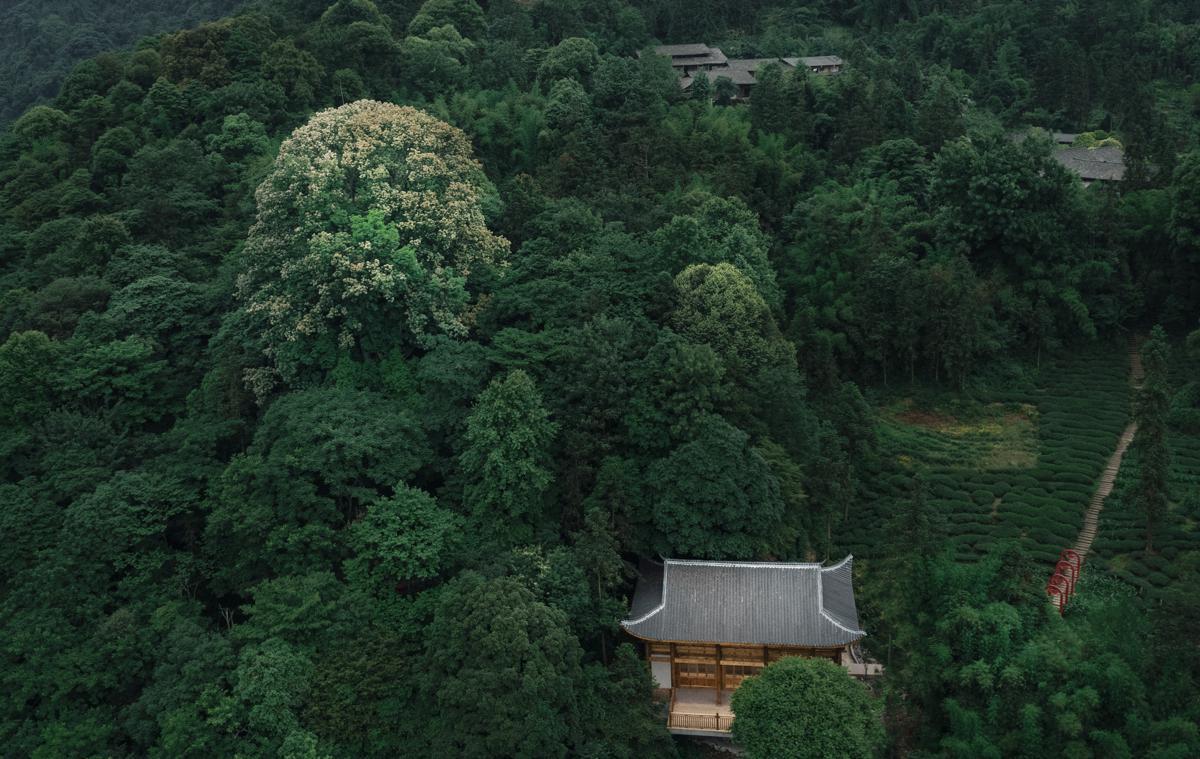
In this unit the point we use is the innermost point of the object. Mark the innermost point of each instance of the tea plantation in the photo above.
(1121, 543)
(1020, 463)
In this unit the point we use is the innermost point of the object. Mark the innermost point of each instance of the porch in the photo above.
(700, 711)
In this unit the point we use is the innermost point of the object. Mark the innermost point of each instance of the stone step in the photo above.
(1104, 486)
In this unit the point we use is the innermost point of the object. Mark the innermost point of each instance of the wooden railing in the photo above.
(687, 721)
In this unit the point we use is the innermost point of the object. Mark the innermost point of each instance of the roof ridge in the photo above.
(838, 624)
(773, 564)
(821, 599)
(840, 564)
(662, 600)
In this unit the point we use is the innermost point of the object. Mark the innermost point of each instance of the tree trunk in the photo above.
(603, 635)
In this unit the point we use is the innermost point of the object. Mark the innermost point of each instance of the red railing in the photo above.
(1061, 585)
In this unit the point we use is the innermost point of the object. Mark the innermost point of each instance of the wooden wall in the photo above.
(723, 665)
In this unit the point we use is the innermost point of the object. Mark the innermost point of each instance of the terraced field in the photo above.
(1020, 464)
(1120, 545)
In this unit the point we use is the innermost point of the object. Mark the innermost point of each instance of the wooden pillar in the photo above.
(765, 660)
(720, 675)
(674, 674)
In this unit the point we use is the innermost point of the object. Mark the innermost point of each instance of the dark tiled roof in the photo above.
(692, 55)
(752, 64)
(737, 76)
(649, 589)
(746, 602)
(671, 51)
(1105, 163)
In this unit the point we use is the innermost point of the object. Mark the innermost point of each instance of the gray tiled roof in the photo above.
(821, 60)
(746, 602)
(1103, 164)
(814, 61)
(752, 64)
(737, 76)
(696, 48)
(692, 55)
(649, 589)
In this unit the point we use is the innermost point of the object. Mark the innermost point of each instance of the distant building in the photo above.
(742, 79)
(689, 60)
(1093, 159)
(1105, 163)
(709, 625)
(817, 64)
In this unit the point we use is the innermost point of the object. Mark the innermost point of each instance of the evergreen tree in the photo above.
(505, 465)
(1151, 491)
(500, 672)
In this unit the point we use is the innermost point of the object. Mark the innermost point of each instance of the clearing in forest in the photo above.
(1020, 461)
(975, 436)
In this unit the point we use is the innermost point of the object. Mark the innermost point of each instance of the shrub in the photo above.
(983, 497)
(801, 708)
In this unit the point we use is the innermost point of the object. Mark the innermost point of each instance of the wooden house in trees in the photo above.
(708, 625)
(1104, 163)
(692, 59)
(822, 65)
(1094, 157)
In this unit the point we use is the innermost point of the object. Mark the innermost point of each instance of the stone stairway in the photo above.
(1091, 519)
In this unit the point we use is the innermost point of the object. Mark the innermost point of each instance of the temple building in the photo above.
(691, 59)
(1105, 163)
(1093, 157)
(708, 625)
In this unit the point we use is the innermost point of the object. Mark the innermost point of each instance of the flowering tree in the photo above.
(368, 226)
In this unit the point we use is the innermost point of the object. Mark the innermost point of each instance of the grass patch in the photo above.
(971, 436)
(1037, 445)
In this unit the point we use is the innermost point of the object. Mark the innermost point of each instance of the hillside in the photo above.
(42, 40)
(355, 355)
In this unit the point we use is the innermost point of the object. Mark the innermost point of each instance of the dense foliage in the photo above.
(806, 709)
(352, 352)
(42, 40)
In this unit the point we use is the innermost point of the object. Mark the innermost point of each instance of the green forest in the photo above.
(42, 40)
(353, 354)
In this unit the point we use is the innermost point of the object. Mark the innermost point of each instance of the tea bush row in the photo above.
(1081, 402)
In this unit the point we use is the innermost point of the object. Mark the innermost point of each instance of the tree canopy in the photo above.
(800, 708)
(354, 353)
(371, 212)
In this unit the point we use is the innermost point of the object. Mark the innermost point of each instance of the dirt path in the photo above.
(1091, 519)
